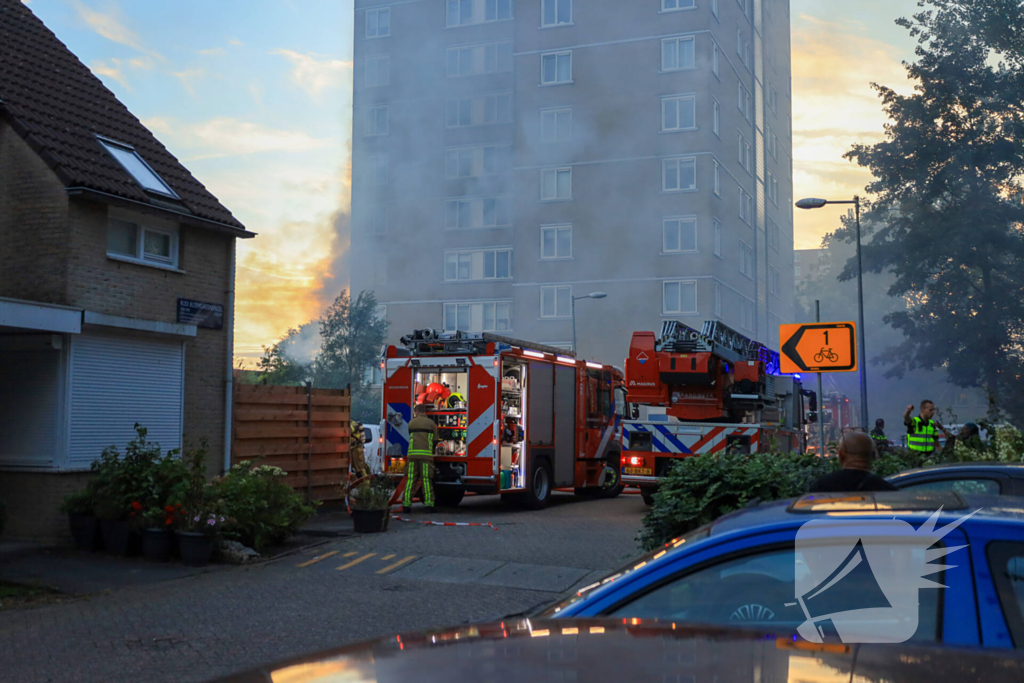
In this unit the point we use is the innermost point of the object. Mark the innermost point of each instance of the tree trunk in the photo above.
(991, 361)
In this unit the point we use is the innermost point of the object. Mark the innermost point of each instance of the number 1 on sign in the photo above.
(826, 337)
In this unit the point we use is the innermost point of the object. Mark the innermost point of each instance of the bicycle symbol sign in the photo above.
(818, 347)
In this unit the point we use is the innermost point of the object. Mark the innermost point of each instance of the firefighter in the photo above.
(423, 438)
(878, 435)
(922, 430)
(355, 449)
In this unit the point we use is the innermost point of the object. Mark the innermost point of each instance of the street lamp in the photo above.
(592, 295)
(813, 203)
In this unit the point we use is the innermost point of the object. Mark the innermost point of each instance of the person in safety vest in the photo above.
(423, 438)
(922, 430)
(878, 436)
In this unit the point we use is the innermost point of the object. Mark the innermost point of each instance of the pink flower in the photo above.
(211, 521)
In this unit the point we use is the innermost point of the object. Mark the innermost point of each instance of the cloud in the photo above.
(188, 78)
(213, 52)
(141, 63)
(112, 70)
(111, 27)
(158, 124)
(235, 41)
(225, 136)
(315, 75)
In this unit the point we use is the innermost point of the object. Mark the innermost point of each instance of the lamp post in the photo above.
(812, 203)
(592, 295)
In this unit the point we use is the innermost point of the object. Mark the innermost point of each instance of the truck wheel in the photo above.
(449, 496)
(648, 496)
(612, 480)
(538, 488)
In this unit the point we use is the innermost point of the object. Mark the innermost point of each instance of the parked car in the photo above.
(743, 568)
(970, 477)
(373, 447)
(598, 650)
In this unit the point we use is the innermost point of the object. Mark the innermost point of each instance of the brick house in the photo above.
(116, 282)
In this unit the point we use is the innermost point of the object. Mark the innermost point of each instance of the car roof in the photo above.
(1014, 468)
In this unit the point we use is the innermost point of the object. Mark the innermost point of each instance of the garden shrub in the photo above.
(261, 508)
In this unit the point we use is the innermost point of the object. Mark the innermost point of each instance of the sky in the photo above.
(254, 97)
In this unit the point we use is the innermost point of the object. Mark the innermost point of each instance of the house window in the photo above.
(478, 59)
(714, 60)
(472, 162)
(376, 121)
(679, 174)
(772, 185)
(378, 23)
(677, 113)
(555, 68)
(480, 264)
(142, 243)
(774, 283)
(379, 168)
(672, 5)
(717, 228)
(773, 234)
(488, 212)
(746, 260)
(377, 72)
(556, 12)
(716, 118)
(555, 302)
(679, 296)
(555, 242)
(483, 110)
(137, 168)
(718, 299)
(555, 184)
(478, 316)
(679, 235)
(677, 53)
(747, 315)
(380, 220)
(555, 125)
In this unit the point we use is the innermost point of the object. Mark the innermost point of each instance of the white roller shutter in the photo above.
(29, 402)
(117, 381)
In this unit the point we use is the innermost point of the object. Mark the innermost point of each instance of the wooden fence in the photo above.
(303, 431)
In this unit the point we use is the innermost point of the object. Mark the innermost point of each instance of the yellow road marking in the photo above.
(387, 557)
(396, 564)
(354, 552)
(318, 558)
(356, 561)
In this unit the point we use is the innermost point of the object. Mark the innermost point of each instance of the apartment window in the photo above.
(677, 113)
(556, 68)
(746, 260)
(717, 229)
(478, 59)
(465, 12)
(555, 184)
(377, 72)
(774, 282)
(679, 174)
(745, 155)
(380, 220)
(376, 121)
(378, 23)
(716, 118)
(714, 60)
(773, 99)
(480, 264)
(679, 235)
(556, 12)
(672, 5)
(479, 316)
(677, 53)
(773, 234)
(489, 212)
(497, 10)
(458, 214)
(743, 100)
(142, 243)
(718, 299)
(483, 110)
(772, 142)
(718, 179)
(495, 213)
(747, 315)
(772, 185)
(472, 162)
(746, 207)
(379, 168)
(679, 296)
(714, 8)
(555, 242)
(555, 302)
(555, 125)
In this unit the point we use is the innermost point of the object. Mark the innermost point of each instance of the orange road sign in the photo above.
(818, 347)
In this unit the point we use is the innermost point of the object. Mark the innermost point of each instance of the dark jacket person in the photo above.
(856, 458)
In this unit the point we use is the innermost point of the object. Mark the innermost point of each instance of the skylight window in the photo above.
(138, 168)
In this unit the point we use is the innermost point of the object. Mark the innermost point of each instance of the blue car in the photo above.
(744, 568)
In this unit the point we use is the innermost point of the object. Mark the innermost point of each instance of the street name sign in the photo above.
(818, 347)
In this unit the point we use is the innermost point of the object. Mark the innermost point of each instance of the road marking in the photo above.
(387, 557)
(319, 558)
(396, 565)
(356, 561)
(354, 552)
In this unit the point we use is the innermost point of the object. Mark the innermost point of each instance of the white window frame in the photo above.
(717, 178)
(140, 256)
(473, 99)
(665, 310)
(556, 229)
(773, 98)
(715, 57)
(678, 161)
(377, 13)
(746, 260)
(679, 40)
(743, 100)
(375, 166)
(678, 221)
(555, 3)
(477, 55)
(744, 154)
(557, 171)
(373, 121)
(677, 5)
(772, 184)
(470, 253)
(138, 168)
(716, 118)
(507, 303)
(476, 158)
(557, 56)
(714, 8)
(555, 315)
(555, 112)
(677, 100)
(717, 235)
(501, 210)
(485, 6)
(376, 62)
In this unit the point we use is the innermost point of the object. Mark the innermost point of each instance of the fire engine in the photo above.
(515, 418)
(693, 392)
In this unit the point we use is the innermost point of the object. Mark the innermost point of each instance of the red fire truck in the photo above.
(516, 418)
(696, 392)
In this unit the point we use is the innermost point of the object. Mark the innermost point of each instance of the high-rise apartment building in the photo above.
(510, 155)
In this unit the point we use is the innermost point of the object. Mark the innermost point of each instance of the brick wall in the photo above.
(33, 502)
(33, 224)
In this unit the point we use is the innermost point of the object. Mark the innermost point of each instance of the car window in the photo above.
(1006, 562)
(969, 486)
(756, 590)
(367, 435)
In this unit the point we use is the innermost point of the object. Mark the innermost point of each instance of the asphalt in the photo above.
(343, 589)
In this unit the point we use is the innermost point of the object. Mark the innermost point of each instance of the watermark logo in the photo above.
(859, 579)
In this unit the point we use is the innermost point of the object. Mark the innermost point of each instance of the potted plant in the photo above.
(158, 535)
(201, 519)
(197, 538)
(370, 501)
(80, 508)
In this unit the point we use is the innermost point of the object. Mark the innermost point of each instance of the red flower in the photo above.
(169, 521)
(136, 505)
(169, 508)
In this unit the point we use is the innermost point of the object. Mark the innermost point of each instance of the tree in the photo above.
(352, 334)
(947, 200)
(286, 363)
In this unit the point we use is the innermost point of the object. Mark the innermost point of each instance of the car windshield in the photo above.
(554, 610)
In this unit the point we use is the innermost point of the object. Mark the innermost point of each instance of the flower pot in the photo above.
(370, 521)
(119, 539)
(85, 531)
(156, 544)
(195, 548)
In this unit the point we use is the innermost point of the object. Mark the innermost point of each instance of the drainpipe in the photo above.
(229, 390)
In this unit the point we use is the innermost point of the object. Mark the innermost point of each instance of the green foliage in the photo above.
(373, 493)
(261, 509)
(79, 503)
(352, 334)
(140, 478)
(195, 499)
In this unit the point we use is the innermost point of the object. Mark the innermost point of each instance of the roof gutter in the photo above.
(187, 218)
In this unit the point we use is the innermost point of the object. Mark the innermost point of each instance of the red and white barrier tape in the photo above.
(420, 521)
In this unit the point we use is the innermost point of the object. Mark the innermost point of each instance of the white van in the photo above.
(373, 447)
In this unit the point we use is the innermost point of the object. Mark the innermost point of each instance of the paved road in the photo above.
(345, 590)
